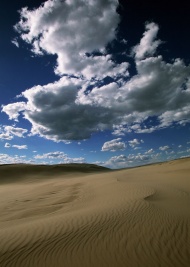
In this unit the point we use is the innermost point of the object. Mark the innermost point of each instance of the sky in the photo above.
(103, 82)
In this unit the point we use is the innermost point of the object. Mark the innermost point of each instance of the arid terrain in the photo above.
(83, 215)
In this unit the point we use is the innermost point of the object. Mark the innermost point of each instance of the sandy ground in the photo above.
(128, 218)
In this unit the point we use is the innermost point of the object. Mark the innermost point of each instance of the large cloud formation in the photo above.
(72, 30)
(53, 113)
(68, 109)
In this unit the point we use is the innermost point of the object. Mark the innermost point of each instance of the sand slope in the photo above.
(129, 218)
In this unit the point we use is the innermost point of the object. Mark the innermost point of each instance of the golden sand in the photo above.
(81, 217)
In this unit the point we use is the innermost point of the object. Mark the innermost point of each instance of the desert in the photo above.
(81, 215)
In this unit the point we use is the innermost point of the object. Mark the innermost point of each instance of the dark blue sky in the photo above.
(127, 118)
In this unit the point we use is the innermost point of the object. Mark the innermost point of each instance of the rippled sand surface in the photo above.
(138, 217)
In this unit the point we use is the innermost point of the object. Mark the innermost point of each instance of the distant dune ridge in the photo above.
(15, 172)
(89, 216)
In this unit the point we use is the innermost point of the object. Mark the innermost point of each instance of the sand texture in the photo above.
(89, 217)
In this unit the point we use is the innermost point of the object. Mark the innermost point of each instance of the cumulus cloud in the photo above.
(12, 110)
(7, 159)
(145, 94)
(7, 145)
(51, 155)
(139, 157)
(135, 142)
(8, 132)
(55, 115)
(6, 136)
(68, 109)
(119, 130)
(164, 148)
(148, 44)
(117, 161)
(132, 160)
(123, 161)
(114, 145)
(59, 155)
(15, 131)
(56, 28)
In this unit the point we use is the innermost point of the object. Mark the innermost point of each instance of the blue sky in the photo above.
(102, 82)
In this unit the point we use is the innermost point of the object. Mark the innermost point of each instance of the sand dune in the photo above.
(17, 172)
(136, 217)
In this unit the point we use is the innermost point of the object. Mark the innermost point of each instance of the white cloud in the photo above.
(131, 160)
(57, 155)
(145, 95)
(20, 146)
(68, 109)
(138, 157)
(65, 119)
(148, 44)
(137, 147)
(12, 110)
(6, 136)
(7, 145)
(15, 131)
(8, 132)
(72, 29)
(7, 159)
(15, 42)
(53, 113)
(180, 115)
(51, 155)
(135, 142)
(114, 145)
(120, 161)
(150, 151)
(164, 148)
(120, 130)
(100, 163)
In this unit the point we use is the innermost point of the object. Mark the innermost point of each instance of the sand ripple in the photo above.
(119, 219)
